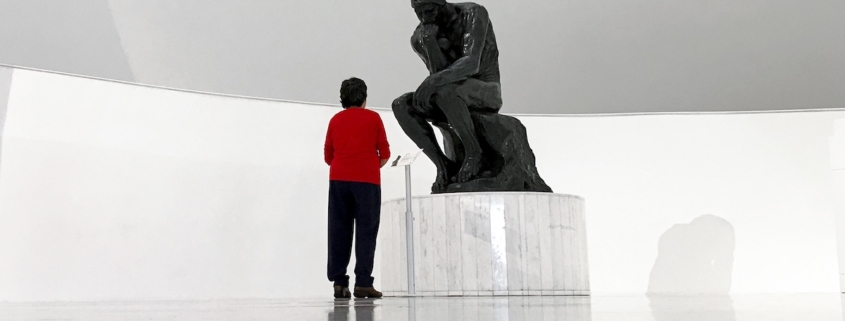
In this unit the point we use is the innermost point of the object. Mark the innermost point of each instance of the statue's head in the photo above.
(427, 10)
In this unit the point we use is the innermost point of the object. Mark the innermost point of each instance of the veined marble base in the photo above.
(487, 244)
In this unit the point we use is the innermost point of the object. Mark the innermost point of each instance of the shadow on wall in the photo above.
(694, 259)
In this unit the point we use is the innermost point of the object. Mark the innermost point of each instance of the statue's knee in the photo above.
(403, 103)
(397, 105)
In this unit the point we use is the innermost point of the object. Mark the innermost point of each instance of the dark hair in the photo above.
(353, 92)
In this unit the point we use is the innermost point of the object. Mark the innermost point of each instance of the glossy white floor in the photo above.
(763, 307)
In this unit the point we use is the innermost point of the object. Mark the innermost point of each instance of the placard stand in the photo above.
(406, 161)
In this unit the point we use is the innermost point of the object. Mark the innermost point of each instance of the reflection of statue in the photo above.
(462, 96)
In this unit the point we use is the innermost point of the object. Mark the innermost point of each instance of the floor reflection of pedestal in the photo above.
(485, 244)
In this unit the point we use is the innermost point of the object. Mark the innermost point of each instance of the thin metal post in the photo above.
(409, 231)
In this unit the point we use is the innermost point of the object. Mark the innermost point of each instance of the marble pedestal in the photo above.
(487, 244)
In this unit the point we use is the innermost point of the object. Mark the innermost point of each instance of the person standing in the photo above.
(356, 148)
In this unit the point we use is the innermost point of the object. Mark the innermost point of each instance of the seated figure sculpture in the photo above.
(483, 150)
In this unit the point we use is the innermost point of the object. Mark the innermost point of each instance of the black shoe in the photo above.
(341, 292)
(369, 292)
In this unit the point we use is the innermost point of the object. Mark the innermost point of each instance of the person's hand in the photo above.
(422, 97)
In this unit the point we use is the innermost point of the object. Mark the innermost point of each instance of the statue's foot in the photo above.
(440, 184)
(470, 169)
(441, 181)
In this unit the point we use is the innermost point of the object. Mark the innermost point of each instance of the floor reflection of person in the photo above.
(340, 312)
(364, 310)
(356, 148)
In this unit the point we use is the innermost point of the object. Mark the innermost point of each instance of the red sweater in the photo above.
(355, 144)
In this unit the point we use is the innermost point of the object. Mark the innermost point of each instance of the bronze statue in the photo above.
(462, 93)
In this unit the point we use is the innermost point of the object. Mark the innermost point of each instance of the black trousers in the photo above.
(353, 207)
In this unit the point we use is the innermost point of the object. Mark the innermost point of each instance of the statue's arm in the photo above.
(472, 47)
(429, 51)
(416, 43)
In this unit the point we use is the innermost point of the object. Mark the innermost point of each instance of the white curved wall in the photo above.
(837, 167)
(114, 191)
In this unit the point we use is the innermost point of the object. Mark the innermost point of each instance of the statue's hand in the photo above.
(429, 31)
(422, 97)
